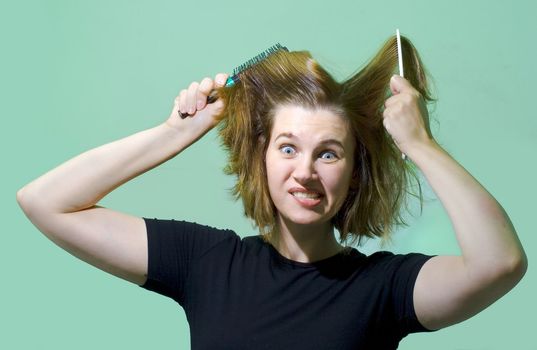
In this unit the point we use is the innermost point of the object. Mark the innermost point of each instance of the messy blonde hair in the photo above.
(375, 199)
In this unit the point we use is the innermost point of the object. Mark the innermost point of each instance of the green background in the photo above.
(78, 74)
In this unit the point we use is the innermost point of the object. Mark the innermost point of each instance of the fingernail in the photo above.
(221, 81)
(200, 103)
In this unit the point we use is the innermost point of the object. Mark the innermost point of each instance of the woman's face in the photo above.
(309, 162)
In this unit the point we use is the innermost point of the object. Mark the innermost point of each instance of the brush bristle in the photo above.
(254, 60)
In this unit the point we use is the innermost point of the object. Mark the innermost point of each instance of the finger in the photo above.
(205, 86)
(386, 113)
(386, 123)
(395, 84)
(204, 90)
(191, 97)
(390, 101)
(399, 84)
(220, 79)
(182, 101)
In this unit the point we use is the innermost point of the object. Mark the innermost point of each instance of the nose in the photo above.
(304, 170)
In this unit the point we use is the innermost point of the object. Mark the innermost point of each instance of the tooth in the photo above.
(306, 195)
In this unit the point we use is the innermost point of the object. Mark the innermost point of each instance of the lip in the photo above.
(300, 189)
(306, 202)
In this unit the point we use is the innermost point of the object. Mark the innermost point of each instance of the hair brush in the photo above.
(235, 76)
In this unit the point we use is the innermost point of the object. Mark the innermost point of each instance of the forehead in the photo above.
(310, 123)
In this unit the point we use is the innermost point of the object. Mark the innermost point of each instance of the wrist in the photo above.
(421, 151)
(176, 135)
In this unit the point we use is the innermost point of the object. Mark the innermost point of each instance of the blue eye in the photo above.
(331, 155)
(288, 150)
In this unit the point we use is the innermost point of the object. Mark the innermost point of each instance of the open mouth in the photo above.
(306, 195)
(307, 199)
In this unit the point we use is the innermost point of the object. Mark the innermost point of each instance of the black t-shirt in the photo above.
(241, 293)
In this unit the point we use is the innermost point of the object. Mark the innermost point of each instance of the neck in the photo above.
(305, 243)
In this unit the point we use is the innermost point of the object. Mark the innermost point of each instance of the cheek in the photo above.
(275, 172)
(337, 182)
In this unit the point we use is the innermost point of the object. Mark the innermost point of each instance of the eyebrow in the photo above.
(328, 141)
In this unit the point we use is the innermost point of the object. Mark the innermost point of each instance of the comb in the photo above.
(400, 61)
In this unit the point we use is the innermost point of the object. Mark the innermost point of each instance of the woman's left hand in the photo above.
(405, 116)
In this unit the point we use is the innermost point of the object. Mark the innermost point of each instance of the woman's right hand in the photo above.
(201, 116)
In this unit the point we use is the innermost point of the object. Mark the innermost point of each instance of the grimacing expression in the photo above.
(309, 164)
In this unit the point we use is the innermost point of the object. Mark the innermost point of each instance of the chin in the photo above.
(308, 219)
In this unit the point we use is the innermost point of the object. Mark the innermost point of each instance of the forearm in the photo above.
(486, 236)
(83, 180)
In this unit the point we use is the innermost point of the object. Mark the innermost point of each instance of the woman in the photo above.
(310, 155)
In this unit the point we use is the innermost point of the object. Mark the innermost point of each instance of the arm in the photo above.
(450, 289)
(62, 202)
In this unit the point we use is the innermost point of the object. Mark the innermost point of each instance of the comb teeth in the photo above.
(399, 54)
(254, 60)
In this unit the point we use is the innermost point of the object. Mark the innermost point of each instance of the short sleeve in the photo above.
(401, 273)
(172, 246)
